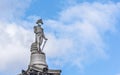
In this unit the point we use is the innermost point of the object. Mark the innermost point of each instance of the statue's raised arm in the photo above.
(39, 34)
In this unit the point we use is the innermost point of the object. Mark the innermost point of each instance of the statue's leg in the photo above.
(39, 46)
(36, 38)
(41, 40)
(38, 43)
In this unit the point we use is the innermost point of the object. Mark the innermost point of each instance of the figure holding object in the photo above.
(39, 34)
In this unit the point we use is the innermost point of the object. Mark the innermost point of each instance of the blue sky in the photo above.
(83, 35)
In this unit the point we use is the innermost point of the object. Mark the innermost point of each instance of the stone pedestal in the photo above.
(37, 59)
(38, 65)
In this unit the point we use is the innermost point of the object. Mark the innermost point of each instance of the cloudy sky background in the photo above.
(83, 35)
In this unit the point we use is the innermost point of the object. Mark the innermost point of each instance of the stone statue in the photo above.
(39, 34)
(38, 64)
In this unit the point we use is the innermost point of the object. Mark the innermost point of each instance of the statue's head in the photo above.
(39, 22)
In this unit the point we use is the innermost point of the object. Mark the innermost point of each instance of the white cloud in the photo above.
(14, 44)
(84, 26)
(14, 39)
(12, 10)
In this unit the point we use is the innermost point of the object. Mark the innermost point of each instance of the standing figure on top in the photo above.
(39, 34)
